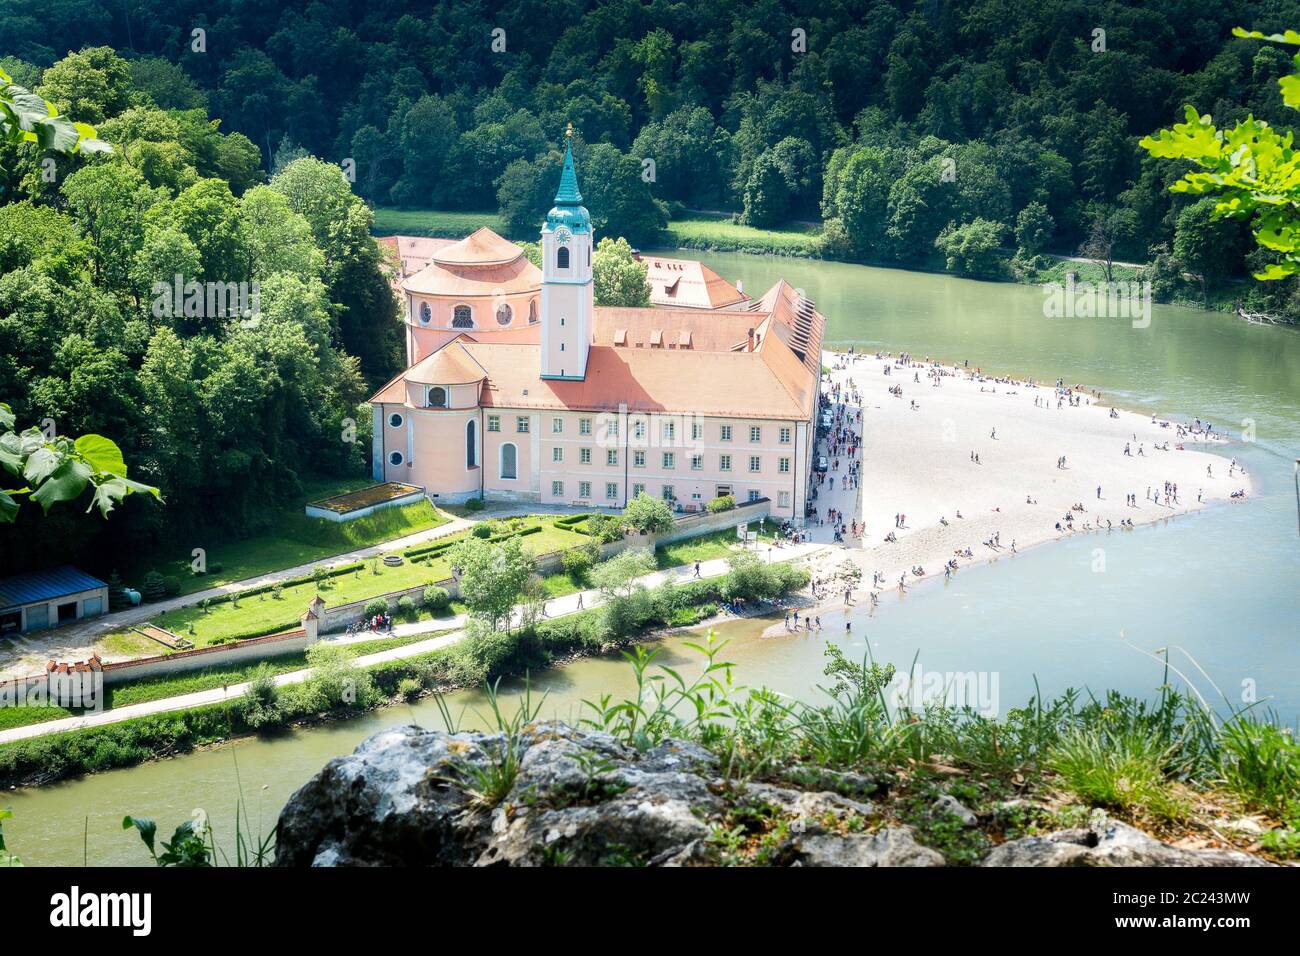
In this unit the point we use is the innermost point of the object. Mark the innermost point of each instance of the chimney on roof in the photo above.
(740, 286)
(749, 338)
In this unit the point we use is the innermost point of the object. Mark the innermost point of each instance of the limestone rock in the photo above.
(1110, 843)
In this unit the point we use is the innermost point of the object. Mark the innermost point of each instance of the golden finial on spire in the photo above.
(568, 132)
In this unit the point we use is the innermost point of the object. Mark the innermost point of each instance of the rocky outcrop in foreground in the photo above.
(562, 796)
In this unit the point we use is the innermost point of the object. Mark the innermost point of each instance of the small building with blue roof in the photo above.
(38, 600)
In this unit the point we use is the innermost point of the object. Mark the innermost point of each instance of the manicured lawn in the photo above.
(296, 540)
(263, 612)
(719, 544)
(433, 222)
(719, 233)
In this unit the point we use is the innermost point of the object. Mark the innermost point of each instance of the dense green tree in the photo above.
(618, 277)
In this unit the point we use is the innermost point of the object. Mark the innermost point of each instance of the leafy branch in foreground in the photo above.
(60, 469)
(1252, 166)
(28, 118)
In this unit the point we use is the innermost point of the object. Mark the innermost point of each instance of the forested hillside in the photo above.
(895, 121)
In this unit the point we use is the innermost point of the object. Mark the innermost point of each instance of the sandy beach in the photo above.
(917, 463)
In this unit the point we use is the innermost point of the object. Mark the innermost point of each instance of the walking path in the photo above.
(556, 607)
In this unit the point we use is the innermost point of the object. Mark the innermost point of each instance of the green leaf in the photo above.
(7, 417)
(42, 463)
(102, 454)
(148, 830)
(1289, 36)
(68, 482)
(8, 508)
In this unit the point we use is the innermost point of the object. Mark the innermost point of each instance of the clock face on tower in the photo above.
(563, 235)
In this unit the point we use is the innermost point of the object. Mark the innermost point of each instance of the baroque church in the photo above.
(521, 388)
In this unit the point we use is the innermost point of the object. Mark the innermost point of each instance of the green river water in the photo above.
(1221, 587)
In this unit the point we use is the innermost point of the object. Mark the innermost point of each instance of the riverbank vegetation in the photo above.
(337, 688)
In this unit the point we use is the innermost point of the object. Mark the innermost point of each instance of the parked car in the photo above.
(821, 464)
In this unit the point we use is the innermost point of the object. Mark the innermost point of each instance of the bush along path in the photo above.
(560, 607)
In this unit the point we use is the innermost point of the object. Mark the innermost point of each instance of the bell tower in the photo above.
(568, 297)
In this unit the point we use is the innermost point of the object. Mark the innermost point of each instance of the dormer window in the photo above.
(562, 258)
(437, 397)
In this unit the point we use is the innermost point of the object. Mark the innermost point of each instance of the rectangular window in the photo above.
(557, 454)
(668, 493)
(755, 463)
(638, 489)
(670, 460)
(724, 463)
(584, 426)
(785, 436)
(755, 433)
(724, 433)
(638, 429)
(697, 431)
(638, 459)
(494, 423)
(557, 489)
(783, 499)
(521, 424)
(783, 466)
(611, 426)
(670, 431)
(584, 456)
(611, 489)
(557, 426)
(611, 457)
(697, 462)
(754, 495)
(584, 489)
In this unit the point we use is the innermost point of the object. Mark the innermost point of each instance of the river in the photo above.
(1220, 588)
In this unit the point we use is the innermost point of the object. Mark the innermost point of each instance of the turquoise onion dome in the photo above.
(568, 211)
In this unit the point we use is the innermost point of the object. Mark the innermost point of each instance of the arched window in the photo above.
(471, 445)
(532, 311)
(509, 460)
(437, 397)
(462, 318)
(504, 314)
(426, 313)
(395, 458)
(562, 258)
(395, 420)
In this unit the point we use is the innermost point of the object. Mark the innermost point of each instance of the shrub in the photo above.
(436, 598)
(406, 607)
(577, 564)
(722, 503)
(154, 587)
(646, 514)
(408, 688)
(376, 607)
(474, 504)
(605, 528)
(171, 585)
(482, 530)
(260, 705)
